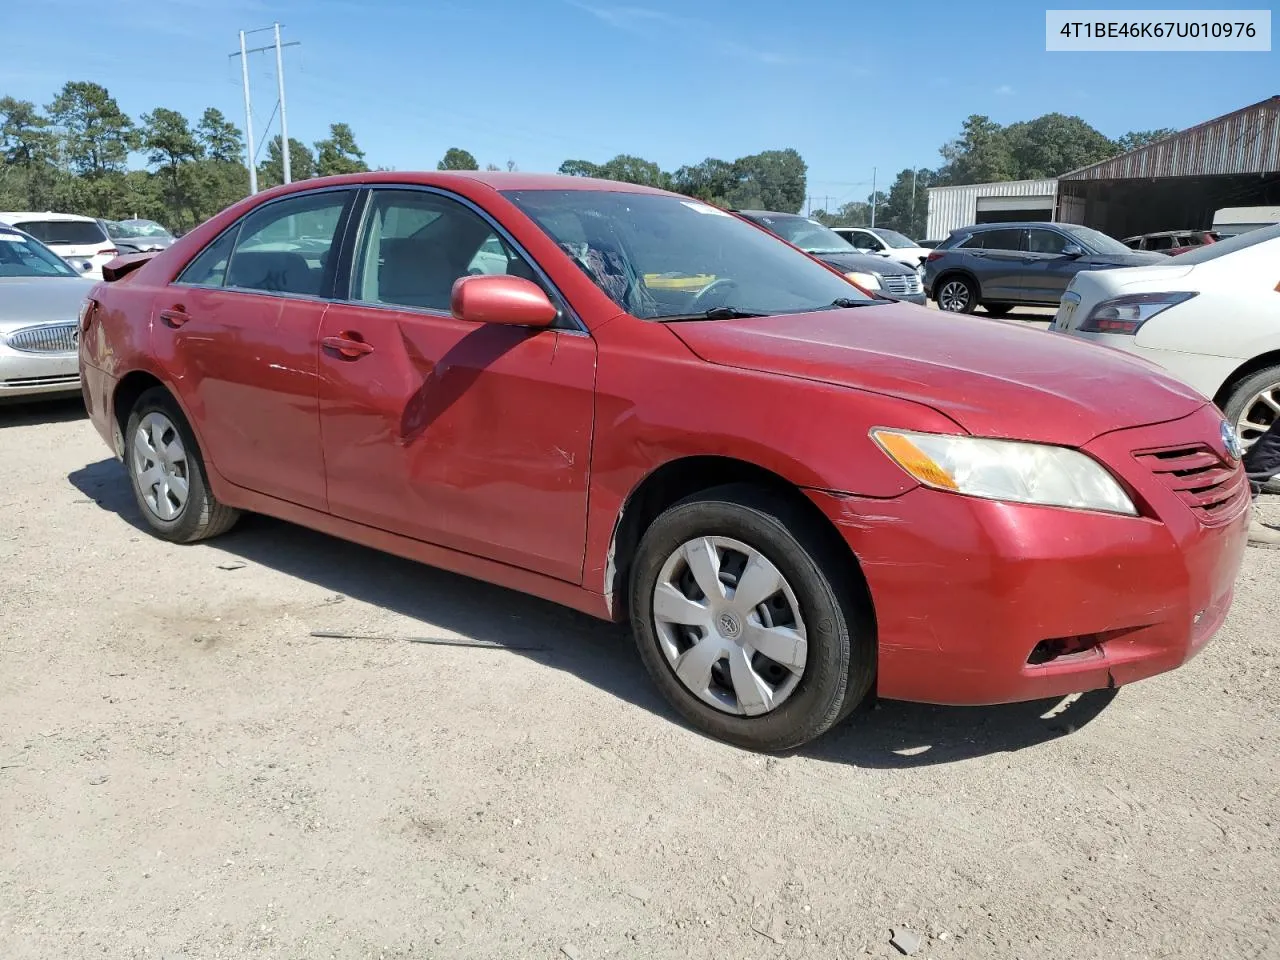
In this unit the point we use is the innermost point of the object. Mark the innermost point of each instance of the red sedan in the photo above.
(643, 407)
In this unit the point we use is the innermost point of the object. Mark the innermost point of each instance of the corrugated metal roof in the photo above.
(953, 207)
(1243, 142)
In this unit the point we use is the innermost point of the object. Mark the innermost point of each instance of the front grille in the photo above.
(1200, 477)
(61, 380)
(902, 285)
(45, 338)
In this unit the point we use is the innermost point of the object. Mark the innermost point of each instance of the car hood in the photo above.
(28, 300)
(992, 377)
(863, 263)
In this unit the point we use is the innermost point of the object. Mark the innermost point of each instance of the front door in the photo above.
(1048, 269)
(238, 331)
(475, 437)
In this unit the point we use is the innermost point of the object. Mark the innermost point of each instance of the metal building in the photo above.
(1179, 183)
(953, 207)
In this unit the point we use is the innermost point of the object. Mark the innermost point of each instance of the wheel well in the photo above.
(1248, 369)
(958, 272)
(673, 482)
(128, 390)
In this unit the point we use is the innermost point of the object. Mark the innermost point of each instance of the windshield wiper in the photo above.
(715, 313)
(844, 302)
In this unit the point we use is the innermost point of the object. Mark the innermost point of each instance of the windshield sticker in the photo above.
(703, 208)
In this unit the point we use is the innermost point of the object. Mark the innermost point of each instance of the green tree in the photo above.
(1141, 138)
(338, 153)
(24, 133)
(170, 145)
(712, 180)
(580, 168)
(906, 207)
(981, 154)
(1054, 144)
(456, 158)
(97, 135)
(626, 168)
(853, 214)
(302, 165)
(772, 180)
(220, 137)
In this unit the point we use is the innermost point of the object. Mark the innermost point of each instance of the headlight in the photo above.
(1006, 470)
(1126, 314)
(869, 280)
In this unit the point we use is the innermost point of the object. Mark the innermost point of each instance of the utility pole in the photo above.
(243, 54)
(284, 124)
(873, 198)
(913, 199)
(248, 119)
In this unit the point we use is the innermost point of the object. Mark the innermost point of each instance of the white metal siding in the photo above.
(953, 207)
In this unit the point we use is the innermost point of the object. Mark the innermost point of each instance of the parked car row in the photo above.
(87, 243)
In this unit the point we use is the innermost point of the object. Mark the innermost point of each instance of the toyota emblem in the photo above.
(1231, 440)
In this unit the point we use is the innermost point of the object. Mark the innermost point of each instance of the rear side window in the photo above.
(1000, 239)
(1159, 243)
(65, 233)
(284, 246)
(209, 269)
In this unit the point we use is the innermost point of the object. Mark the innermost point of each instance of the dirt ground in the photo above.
(186, 773)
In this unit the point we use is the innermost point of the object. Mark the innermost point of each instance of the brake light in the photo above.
(1127, 314)
(112, 251)
(933, 255)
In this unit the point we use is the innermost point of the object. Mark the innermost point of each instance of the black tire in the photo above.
(955, 294)
(202, 516)
(997, 309)
(1241, 393)
(840, 667)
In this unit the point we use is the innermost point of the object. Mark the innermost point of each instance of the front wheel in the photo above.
(168, 475)
(956, 295)
(1253, 407)
(748, 621)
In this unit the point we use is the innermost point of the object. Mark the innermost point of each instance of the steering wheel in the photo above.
(701, 300)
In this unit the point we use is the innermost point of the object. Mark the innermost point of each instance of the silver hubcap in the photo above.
(160, 466)
(1258, 415)
(729, 625)
(954, 296)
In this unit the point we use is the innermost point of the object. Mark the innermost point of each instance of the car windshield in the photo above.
(23, 257)
(64, 232)
(658, 256)
(136, 228)
(1095, 241)
(1212, 251)
(894, 239)
(808, 236)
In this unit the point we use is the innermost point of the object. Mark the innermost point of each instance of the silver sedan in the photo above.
(40, 299)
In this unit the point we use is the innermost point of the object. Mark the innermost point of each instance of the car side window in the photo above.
(971, 243)
(1046, 241)
(1001, 240)
(415, 244)
(1160, 243)
(866, 241)
(209, 268)
(284, 247)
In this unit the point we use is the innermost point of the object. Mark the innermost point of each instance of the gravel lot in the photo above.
(186, 773)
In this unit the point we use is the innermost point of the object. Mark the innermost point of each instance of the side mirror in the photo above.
(1073, 250)
(497, 298)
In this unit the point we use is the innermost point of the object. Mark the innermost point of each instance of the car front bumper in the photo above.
(34, 374)
(972, 597)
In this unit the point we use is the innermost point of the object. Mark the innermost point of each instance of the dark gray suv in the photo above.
(999, 266)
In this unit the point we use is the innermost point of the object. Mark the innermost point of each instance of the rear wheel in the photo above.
(168, 475)
(746, 620)
(956, 295)
(1253, 407)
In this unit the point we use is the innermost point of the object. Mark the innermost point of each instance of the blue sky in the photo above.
(850, 85)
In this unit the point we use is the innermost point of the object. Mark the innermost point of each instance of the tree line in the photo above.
(73, 156)
(986, 152)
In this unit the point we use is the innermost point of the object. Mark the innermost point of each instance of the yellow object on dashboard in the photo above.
(668, 281)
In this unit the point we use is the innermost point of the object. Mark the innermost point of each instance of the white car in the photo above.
(81, 241)
(1211, 317)
(886, 243)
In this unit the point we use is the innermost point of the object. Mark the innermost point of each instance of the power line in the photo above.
(250, 152)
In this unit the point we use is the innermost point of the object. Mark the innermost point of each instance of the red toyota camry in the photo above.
(641, 406)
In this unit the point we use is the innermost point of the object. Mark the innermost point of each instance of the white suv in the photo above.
(886, 243)
(78, 240)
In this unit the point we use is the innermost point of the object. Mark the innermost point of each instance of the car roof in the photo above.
(497, 180)
(1014, 225)
(42, 215)
(773, 213)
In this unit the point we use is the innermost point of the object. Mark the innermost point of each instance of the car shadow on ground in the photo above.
(884, 734)
(27, 413)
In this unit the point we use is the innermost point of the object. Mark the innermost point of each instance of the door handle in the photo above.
(174, 318)
(347, 345)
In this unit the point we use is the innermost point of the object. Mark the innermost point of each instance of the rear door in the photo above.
(239, 334)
